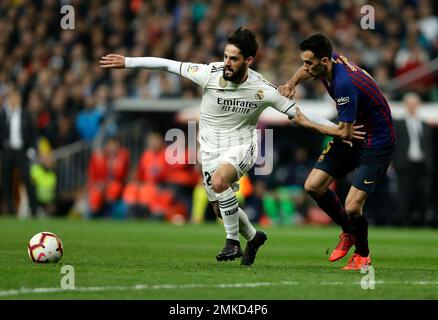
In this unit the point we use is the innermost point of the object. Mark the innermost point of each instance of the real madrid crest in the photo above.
(259, 95)
(222, 82)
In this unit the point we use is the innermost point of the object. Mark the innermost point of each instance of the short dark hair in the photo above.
(245, 40)
(319, 44)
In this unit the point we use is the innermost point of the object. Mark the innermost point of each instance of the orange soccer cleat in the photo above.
(357, 262)
(345, 243)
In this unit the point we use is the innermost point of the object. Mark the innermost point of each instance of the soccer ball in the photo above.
(45, 247)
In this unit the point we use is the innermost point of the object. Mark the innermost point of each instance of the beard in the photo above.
(237, 75)
(320, 72)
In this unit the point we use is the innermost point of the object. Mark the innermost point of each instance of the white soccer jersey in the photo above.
(229, 112)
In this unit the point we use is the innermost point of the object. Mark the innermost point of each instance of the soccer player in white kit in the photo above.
(233, 98)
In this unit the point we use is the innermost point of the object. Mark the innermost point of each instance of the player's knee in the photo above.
(315, 190)
(219, 184)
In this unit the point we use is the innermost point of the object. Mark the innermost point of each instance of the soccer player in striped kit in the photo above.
(359, 101)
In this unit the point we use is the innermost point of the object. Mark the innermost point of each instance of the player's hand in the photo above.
(287, 90)
(112, 61)
(358, 133)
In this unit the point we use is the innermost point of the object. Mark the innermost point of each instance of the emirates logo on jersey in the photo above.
(236, 105)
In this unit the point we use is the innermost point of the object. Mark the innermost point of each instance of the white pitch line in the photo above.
(23, 291)
(424, 283)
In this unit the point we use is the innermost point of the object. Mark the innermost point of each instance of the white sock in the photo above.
(246, 229)
(228, 207)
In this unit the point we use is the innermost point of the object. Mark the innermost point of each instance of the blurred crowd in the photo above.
(57, 70)
(152, 187)
(68, 96)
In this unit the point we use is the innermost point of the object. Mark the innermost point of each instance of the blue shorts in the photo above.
(369, 165)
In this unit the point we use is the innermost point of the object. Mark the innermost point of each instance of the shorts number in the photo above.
(327, 147)
(207, 178)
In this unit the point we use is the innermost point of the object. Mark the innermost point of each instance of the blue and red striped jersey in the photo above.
(359, 99)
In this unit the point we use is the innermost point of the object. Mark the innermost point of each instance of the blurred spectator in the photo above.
(428, 22)
(40, 112)
(143, 194)
(62, 131)
(45, 180)
(18, 148)
(286, 201)
(410, 57)
(164, 182)
(88, 120)
(254, 206)
(413, 163)
(107, 173)
(181, 178)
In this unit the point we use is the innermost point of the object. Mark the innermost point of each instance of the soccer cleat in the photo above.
(345, 243)
(231, 251)
(357, 262)
(252, 247)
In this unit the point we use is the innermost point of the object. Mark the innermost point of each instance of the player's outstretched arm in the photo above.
(288, 89)
(344, 130)
(118, 61)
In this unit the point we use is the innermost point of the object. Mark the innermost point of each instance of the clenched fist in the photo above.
(287, 90)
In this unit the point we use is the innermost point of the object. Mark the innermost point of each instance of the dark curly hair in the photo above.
(318, 44)
(245, 40)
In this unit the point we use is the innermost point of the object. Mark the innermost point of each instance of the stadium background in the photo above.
(77, 107)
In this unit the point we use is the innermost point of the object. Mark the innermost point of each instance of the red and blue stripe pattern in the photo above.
(372, 109)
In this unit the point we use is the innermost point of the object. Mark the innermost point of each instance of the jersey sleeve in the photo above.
(288, 107)
(153, 63)
(198, 73)
(282, 104)
(346, 100)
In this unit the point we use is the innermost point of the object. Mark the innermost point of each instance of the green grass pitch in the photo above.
(152, 260)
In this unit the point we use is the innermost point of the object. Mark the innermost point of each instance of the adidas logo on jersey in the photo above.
(342, 100)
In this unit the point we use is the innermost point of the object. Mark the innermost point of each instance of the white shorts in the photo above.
(242, 158)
